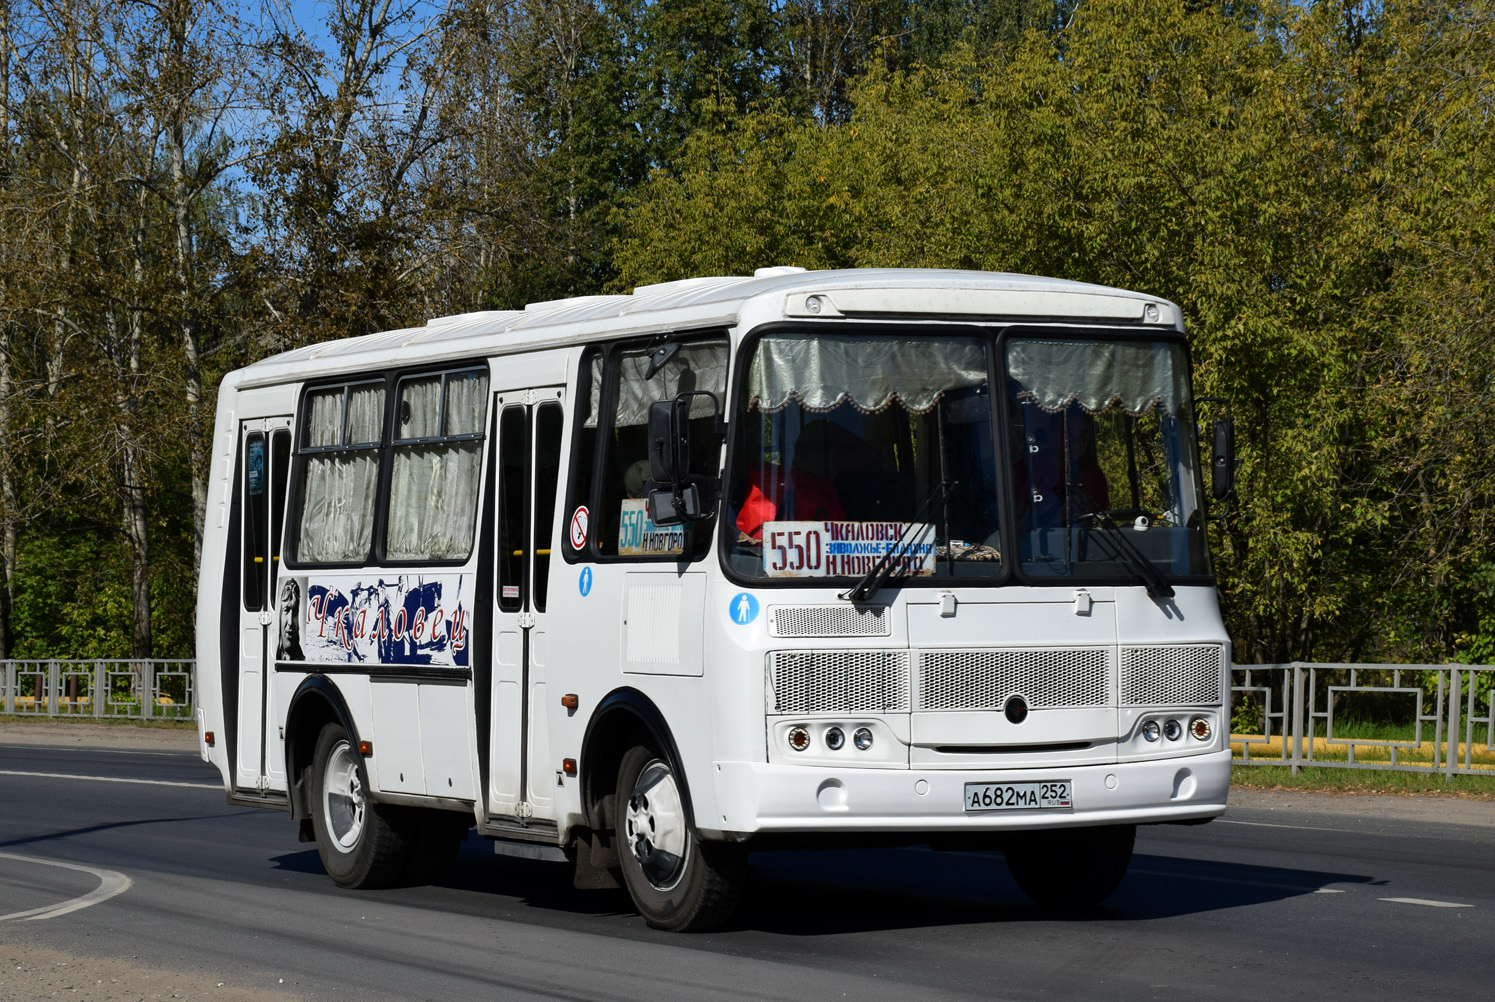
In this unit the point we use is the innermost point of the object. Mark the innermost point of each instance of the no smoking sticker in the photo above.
(579, 519)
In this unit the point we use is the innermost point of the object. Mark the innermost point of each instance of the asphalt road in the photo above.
(1261, 905)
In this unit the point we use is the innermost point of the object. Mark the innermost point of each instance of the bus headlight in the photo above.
(1172, 730)
(862, 738)
(835, 738)
(1151, 731)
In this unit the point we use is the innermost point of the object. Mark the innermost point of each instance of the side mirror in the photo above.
(671, 507)
(669, 440)
(1222, 460)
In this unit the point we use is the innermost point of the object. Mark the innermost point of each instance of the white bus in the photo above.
(645, 582)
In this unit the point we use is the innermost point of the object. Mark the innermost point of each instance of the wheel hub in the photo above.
(343, 800)
(654, 824)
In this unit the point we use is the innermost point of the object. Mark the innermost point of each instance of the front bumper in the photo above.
(755, 797)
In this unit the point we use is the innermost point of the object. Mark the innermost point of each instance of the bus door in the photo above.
(265, 460)
(522, 774)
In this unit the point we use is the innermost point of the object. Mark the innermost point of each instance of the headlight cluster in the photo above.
(1172, 729)
(835, 738)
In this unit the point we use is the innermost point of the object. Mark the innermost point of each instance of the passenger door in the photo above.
(522, 774)
(265, 460)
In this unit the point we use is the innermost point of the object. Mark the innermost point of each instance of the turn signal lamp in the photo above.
(569, 701)
(568, 766)
(799, 738)
(208, 739)
(365, 748)
(1200, 728)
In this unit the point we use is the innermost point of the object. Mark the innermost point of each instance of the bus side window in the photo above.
(584, 450)
(513, 451)
(699, 365)
(436, 461)
(280, 468)
(548, 421)
(341, 430)
(256, 507)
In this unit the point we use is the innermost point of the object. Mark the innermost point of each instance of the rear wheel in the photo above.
(1071, 868)
(362, 844)
(677, 881)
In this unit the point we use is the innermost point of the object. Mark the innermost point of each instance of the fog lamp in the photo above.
(799, 738)
(1151, 731)
(1200, 728)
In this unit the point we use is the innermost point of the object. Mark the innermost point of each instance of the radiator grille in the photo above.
(838, 681)
(870, 681)
(829, 621)
(1164, 676)
(983, 680)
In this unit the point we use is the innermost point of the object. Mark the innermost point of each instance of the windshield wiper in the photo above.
(1125, 551)
(878, 573)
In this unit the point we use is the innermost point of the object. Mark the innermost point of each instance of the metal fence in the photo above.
(1416, 718)
(118, 689)
(1411, 718)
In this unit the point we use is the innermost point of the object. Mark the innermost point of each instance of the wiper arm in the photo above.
(878, 573)
(1132, 558)
(1125, 551)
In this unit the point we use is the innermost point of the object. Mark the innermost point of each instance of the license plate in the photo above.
(1045, 795)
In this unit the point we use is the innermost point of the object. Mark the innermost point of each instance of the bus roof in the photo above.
(698, 303)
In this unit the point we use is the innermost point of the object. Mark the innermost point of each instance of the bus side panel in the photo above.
(216, 682)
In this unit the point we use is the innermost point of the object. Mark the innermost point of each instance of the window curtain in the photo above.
(365, 414)
(433, 495)
(870, 373)
(337, 513)
(433, 491)
(1133, 376)
(700, 366)
(420, 408)
(466, 402)
(324, 419)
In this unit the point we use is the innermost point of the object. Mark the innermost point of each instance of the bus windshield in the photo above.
(856, 448)
(1105, 465)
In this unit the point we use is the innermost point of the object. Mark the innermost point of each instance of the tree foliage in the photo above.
(185, 186)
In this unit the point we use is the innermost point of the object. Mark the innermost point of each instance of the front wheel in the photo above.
(1071, 868)
(677, 881)
(362, 844)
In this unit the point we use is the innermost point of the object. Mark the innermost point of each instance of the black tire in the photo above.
(438, 835)
(362, 844)
(677, 882)
(1071, 868)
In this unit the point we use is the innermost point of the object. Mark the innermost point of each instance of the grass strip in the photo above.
(1384, 782)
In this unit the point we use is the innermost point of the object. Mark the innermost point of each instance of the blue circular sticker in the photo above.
(585, 582)
(743, 609)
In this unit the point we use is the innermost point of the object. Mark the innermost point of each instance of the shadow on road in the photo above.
(831, 892)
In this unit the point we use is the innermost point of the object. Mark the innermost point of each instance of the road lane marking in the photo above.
(111, 883)
(109, 779)
(1426, 903)
(1299, 828)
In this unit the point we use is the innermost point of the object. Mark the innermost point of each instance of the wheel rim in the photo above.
(343, 801)
(655, 826)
